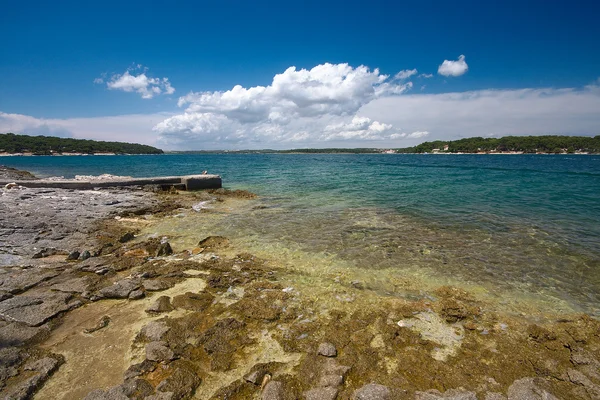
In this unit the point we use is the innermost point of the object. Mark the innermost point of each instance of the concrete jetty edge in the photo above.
(187, 182)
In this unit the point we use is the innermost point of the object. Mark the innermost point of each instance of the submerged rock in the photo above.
(182, 383)
(103, 323)
(162, 304)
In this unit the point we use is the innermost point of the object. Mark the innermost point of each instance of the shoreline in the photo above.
(231, 319)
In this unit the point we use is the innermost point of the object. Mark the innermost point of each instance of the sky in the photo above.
(194, 75)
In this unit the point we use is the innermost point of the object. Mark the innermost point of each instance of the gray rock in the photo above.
(182, 383)
(127, 237)
(10, 359)
(161, 396)
(76, 285)
(85, 255)
(327, 349)
(158, 351)
(43, 368)
(529, 389)
(103, 323)
(92, 264)
(73, 256)
(164, 250)
(20, 280)
(137, 388)
(136, 370)
(155, 330)
(451, 394)
(114, 393)
(372, 391)
(332, 367)
(580, 378)
(120, 289)
(18, 334)
(494, 396)
(323, 393)
(155, 285)
(256, 377)
(34, 310)
(47, 252)
(273, 390)
(137, 294)
(330, 380)
(162, 304)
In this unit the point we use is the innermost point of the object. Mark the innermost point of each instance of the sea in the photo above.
(522, 231)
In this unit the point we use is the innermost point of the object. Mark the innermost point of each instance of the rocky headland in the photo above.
(97, 302)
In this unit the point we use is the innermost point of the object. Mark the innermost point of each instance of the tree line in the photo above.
(48, 145)
(526, 144)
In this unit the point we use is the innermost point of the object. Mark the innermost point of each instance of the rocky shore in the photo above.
(97, 303)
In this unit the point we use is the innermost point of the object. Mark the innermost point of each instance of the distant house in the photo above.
(446, 147)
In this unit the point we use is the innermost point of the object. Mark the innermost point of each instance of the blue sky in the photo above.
(518, 54)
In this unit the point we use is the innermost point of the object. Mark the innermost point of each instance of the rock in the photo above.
(494, 396)
(273, 390)
(120, 289)
(451, 394)
(162, 304)
(137, 294)
(10, 359)
(47, 252)
(85, 255)
(92, 264)
(103, 323)
(257, 375)
(154, 330)
(127, 237)
(42, 369)
(114, 393)
(324, 393)
(164, 250)
(330, 380)
(579, 378)
(155, 285)
(76, 285)
(529, 389)
(214, 242)
(137, 388)
(331, 367)
(34, 310)
(372, 391)
(327, 349)
(18, 334)
(160, 396)
(182, 383)
(73, 256)
(142, 368)
(20, 280)
(158, 351)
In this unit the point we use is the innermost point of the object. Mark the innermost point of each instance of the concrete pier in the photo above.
(189, 182)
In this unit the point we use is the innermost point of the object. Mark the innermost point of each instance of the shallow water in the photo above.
(518, 228)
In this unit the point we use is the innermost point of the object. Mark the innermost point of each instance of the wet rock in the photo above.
(114, 393)
(47, 252)
(451, 394)
(120, 289)
(18, 334)
(155, 330)
(103, 323)
(85, 255)
(158, 351)
(34, 310)
(127, 237)
(136, 295)
(193, 301)
(155, 285)
(529, 389)
(164, 250)
(162, 304)
(324, 393)
(73, 256)
(214, 242)
(331, 380)
(182, 383)
(327, 349)
(273, 390)
(372, 391)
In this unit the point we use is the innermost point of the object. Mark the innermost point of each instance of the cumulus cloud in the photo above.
(299, 105)
(135, 79)
(405, 74)
(453, 68)
(426, 76)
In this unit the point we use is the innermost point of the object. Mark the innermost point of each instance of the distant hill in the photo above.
(48, 145)
(511, 144)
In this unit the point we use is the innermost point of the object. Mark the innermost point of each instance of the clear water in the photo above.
(522, 223)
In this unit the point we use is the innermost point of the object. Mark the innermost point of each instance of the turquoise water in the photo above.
(530, 221)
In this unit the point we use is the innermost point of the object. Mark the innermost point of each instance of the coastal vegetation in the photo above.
(507, 144)
(51, 145)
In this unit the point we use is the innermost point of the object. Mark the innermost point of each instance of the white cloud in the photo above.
(313, 105)
(449, 116)
(426, 76)
(405, 74)
(453, 68)
(141, 83)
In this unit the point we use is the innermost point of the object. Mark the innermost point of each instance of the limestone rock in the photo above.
(372, 391)
(162, 304)
(158, 351)
(324, 393)
(273, 390)
(120, 289)
(327, 349)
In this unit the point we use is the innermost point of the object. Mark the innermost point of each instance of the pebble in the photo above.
(327, 349)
